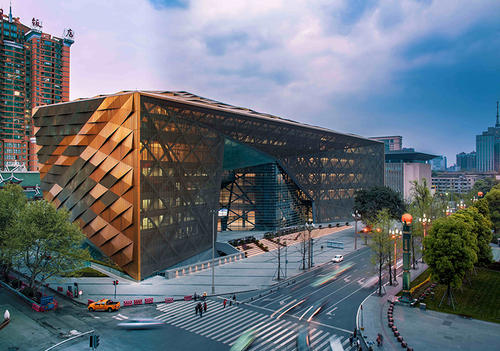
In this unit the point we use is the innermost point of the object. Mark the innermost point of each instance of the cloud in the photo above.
(322, 62)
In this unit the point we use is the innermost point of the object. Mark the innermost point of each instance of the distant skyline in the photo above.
(426, 70)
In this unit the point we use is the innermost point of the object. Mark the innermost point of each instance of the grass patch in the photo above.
(480, 299)
(84, 272)
(423, 276)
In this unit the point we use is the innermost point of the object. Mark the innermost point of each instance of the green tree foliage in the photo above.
(493, 198)
(483, 185)
(12, 202)
(481, 231)
(448, 251)
(381, 243)
(50, 244)
(370, 201)
(482, 207)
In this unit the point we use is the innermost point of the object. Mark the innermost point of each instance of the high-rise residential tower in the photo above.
(34, 67)
(488, 148)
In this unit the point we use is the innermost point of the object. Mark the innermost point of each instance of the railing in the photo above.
(199, 266)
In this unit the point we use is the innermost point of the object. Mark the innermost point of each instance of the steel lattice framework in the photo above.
(142, 172)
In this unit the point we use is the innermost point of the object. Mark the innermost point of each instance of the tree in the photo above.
(483, 185)
(421, 205)
(50, 244)
(12, 202)
(368, 202)
(493, 198)
(448, 253)
(381, 244)
(481, 230)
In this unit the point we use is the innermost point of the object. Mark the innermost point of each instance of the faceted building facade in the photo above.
(144, 173)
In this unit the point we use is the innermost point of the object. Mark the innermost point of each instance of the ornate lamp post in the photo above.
(395, 234)
(406, 219)
(425, 221)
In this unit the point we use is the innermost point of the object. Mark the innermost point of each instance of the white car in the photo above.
(338, 258)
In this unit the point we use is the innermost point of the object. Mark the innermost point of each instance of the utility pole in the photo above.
(356, 217)
(213, 252)
(279, 259)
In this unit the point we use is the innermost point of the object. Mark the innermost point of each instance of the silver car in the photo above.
(143, 323)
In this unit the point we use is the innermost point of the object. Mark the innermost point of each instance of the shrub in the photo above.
(330, 225)
(29, 292)
(16, 283)
(338, 225)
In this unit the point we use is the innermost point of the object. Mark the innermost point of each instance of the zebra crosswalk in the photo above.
(225, 325)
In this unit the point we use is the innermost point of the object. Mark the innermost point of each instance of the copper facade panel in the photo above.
(148, 169)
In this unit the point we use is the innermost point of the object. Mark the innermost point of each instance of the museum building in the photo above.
(145, 173)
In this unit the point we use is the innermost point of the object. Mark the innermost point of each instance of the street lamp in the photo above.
(356, 217)
(425, 221)
(406, 219)
(395, 234)
(310, 227)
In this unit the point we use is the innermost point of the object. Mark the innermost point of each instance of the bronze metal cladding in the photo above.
(144, 172)
(88, 154)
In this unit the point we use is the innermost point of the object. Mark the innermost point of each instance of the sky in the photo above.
(426, 70)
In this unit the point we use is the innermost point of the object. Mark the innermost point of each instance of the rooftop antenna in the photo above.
(498, 118)
(10, 11)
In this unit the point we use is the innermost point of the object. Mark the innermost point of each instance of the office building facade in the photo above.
(35, 71)
(439, 163)
(466, 162)
(404, 167)
(145, 173)
(391, 143)
(488, 148)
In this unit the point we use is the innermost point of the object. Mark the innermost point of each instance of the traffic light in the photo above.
(115, 282)
(94, 341)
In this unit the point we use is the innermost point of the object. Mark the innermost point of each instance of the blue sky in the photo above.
(426, 70)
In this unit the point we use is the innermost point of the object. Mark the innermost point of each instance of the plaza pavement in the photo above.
(256, 272)
(423, 330)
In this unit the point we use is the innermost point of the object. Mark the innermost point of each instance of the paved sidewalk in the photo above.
(425, 330)
(373, 316)
(255, 272)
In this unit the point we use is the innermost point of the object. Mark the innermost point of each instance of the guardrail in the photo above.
(65, 341)
(199, 266)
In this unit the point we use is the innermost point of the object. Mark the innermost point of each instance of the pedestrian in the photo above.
(195, 310)
(350, 340)
(230, 302)
(205, 306)
(355, 333)
(224, 303)
(195, 296)
(234, 298)
(200, 309)
(358, 344)
(381, 339)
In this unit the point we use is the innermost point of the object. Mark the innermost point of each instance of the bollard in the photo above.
(138, 302)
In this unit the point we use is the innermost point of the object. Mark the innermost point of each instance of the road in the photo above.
(338, 288)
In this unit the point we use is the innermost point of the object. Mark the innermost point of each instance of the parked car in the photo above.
(104, 305)
(338, 258)
(143, 323)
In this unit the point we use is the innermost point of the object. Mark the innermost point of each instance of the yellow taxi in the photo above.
(104, 305)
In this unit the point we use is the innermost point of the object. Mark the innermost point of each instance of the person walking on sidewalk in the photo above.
(224, 303)
(195, 310)
(355, 333)
(205, 306)
(358, 344)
